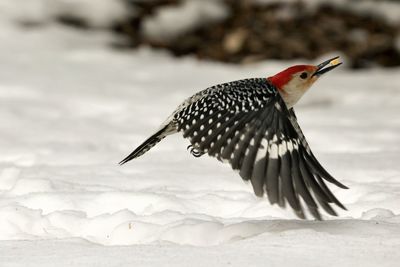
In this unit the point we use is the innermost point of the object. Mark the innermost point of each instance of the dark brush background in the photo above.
(254, 31)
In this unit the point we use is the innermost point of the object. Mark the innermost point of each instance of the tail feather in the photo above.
(150, 142)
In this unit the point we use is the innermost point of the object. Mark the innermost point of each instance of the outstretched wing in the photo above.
(247, 124)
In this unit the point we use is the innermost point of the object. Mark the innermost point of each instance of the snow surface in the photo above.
(96, 13)
(71, 108)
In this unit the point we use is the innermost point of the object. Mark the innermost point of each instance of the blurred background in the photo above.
(232, 31)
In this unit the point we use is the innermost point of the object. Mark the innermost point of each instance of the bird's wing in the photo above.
(247, 124)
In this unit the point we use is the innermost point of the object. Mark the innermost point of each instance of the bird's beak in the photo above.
(327, 66)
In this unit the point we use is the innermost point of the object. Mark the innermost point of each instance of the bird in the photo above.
(251, 124)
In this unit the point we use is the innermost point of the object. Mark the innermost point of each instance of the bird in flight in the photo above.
(251, 124)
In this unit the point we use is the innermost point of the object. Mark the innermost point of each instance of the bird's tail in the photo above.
(150, 142)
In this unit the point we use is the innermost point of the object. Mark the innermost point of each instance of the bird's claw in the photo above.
(194, 151)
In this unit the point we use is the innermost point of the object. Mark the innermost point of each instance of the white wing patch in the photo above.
(274, 151)
(262, 151)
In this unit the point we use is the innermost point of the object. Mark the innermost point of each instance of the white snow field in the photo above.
(71, 108)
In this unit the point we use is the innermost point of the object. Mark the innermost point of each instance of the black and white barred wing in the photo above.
(247, 124)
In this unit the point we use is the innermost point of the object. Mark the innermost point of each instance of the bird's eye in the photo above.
(303, 75)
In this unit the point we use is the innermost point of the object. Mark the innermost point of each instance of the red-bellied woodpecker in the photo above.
(251, 124)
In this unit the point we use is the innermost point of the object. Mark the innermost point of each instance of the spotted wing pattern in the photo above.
(247, 124)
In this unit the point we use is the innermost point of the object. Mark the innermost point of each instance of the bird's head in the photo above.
(293, 82)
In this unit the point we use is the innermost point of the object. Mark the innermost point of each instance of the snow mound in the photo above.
(170, 22)
(127, 228)
(32, 11)
(98, 14)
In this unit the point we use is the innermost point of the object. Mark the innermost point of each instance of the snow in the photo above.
(385, 9)
(285, 244)
(170, 22)
(71, 108)
(97, 14)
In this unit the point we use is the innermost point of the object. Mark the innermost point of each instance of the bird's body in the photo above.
(251, 124)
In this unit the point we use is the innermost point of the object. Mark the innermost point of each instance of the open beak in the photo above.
(327, 66)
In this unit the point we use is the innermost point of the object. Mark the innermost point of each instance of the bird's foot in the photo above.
(195, 152)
